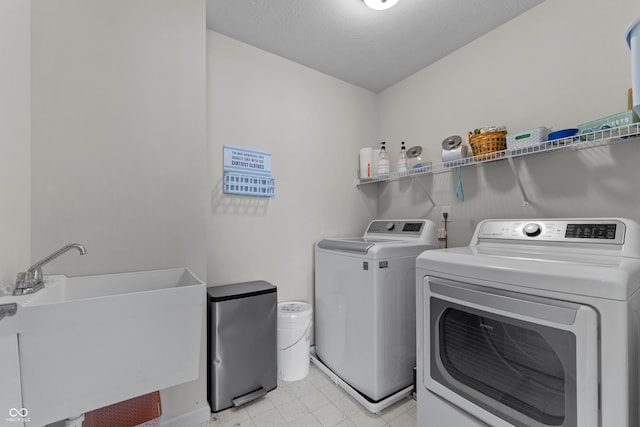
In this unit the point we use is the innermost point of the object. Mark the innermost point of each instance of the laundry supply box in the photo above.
(241, 343)
(527, 138)
(624, 118)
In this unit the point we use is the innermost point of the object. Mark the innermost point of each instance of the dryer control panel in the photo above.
(597, 231)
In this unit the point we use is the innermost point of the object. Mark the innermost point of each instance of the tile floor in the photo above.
(313, 402)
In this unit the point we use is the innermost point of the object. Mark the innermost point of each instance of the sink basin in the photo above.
(87, 342)
(62, 289)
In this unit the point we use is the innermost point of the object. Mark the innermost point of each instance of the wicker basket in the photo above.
(486, 145)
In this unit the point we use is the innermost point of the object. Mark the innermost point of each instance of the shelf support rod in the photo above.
(525, 200)
(424, 190)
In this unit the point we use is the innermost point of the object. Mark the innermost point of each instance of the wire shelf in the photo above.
(585, 140)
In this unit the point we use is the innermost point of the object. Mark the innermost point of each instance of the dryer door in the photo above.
(511, 359)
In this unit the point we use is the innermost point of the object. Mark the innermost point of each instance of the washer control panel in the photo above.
(560, 230)
(396, 227)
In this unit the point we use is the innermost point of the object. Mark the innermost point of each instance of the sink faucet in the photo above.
(31, 281)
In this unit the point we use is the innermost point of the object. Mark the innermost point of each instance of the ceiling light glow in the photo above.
(380, 4)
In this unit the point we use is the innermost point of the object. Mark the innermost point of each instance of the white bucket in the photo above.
(294, 336)
(633, 40)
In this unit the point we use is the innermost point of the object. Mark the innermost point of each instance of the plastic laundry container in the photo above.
(294, 330)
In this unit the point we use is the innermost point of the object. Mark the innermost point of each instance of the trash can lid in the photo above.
(239, 290)
(294, 309)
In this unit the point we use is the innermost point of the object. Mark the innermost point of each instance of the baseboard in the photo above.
(193, 418)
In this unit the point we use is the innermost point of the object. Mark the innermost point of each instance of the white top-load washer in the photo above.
(365, 307)
(535, 323)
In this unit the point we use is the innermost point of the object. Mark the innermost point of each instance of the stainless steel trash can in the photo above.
(242, 343)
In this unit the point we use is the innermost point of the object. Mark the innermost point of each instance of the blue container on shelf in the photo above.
(563, 133)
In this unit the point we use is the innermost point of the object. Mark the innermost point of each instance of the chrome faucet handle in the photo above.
(26, 283)
(31, 280)
(36, 275)
(21, 280)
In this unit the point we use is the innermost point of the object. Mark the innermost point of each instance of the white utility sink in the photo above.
(10, 394)
(87, 342)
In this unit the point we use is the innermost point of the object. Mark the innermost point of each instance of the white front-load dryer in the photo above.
(535, 324)
(365, 305)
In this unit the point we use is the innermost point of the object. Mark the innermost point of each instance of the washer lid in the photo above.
(357, 245)
(388, 236)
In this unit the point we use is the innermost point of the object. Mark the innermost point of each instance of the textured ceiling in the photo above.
(345, 39)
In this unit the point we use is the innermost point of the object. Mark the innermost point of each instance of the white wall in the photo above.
(119, 141)
(559, 65)
(15, 134)
(313, 125)
(121, 161)
(15, 187)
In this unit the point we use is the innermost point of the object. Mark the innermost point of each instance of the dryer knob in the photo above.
(390, 226)
(532, 229)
